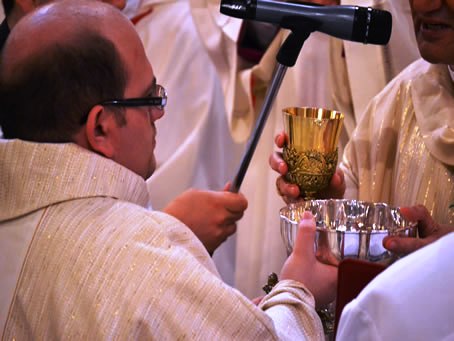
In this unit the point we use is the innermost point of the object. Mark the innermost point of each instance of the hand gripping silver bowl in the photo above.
(347, 228)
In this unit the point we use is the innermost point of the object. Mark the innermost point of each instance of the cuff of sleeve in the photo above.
(292, 301)
(288, 292)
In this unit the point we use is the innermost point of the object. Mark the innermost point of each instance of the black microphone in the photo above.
(361, 24)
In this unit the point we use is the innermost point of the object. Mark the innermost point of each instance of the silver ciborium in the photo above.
(346, 229)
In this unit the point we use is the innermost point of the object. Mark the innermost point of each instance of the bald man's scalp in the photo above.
(57, 23)
(49, 84)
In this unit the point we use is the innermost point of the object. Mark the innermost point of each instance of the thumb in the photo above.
(305, 237)
(227, 186)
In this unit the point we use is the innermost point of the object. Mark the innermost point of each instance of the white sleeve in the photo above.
(356, 324)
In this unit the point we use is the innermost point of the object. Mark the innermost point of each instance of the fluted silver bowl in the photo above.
(347, 228)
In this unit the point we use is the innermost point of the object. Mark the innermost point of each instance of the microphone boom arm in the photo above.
(286, 57)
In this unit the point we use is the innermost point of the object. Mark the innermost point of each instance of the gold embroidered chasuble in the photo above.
(402, 151)
(92, 262)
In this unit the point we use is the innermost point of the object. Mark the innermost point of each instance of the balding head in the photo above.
(62, 68)
(16, 9)
(59, 61)
(60, 22)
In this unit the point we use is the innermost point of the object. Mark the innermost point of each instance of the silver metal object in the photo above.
(347, 228)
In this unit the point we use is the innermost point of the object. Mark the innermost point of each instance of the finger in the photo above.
(277, 163)
(339, 177)
(232, 217)
(228, 216)
(233, 203)
(415, 213)
(228, 230)
(419, 213)
(336, 187)
(280, 140)
(305, 237)
(403, 245)
(235, 212)
(339, 183)
(289, 192)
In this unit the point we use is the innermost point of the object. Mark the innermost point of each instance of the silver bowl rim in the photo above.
(408, 224)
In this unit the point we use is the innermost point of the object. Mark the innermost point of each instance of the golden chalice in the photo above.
(310, 150)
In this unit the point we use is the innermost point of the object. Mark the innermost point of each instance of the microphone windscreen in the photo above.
(372, 26)
(237, 8)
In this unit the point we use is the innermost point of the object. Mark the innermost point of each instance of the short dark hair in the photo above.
(7, 6)
(49, 92)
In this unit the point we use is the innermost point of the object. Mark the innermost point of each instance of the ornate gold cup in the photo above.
(310, 151)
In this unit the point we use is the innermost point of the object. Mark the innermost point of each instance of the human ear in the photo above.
(100, 131)
(20, 9)
(26, 6)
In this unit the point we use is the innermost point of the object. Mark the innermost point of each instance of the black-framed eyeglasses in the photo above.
(157, 99)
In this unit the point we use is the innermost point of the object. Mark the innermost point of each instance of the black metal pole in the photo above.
(286, 57)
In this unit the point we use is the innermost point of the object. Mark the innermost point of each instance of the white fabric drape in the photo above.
(193, 144)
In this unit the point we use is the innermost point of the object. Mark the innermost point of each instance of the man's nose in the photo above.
(156, 113)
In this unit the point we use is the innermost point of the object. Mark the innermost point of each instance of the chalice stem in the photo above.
(309, 195)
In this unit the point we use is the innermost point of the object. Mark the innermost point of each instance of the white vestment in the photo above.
(402, 151)
(370, 67)
(308, 83)
(194, 148)
(341, 77)
(411, 300)
(83, 258)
